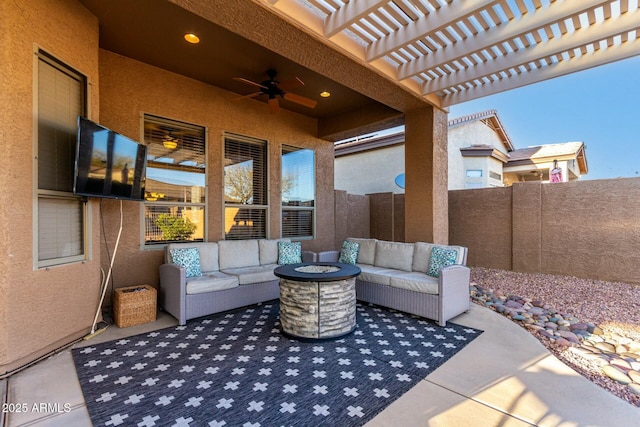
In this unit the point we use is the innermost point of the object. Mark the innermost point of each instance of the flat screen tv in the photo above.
(108, 164)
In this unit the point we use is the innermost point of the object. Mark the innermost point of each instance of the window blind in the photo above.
(245, 187)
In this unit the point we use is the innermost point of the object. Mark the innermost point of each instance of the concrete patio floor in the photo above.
(505, 377)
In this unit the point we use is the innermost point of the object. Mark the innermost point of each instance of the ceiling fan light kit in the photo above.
(274, 90)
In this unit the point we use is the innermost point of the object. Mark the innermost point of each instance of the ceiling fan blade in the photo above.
(249, 82)
(300, 100)
(291, 84)
(251, 95)
(274, 106)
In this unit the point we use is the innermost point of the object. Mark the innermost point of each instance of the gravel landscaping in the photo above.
(591, 325)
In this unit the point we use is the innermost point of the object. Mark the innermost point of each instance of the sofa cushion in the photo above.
(255, 274)
(189, 258)
(395, 255)
(415, 281)
(269, 250)
(349, 252)
(211, 282)
(238, 253)
(208, 253)
(366, 250)
(422, 255)
(373, 274)
(289, 253)
(441, 257)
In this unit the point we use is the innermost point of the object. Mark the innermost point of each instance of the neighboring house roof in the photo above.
(484, 150)
(489, 118)
(549, 152)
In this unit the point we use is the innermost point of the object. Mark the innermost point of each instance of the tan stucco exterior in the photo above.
(39, 309)
(42, 309)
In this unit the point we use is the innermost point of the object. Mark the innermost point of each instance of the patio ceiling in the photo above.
(452, 51)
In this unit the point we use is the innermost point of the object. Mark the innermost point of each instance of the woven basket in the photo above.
(134, 305)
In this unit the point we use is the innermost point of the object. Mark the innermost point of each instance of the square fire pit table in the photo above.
(317, 299)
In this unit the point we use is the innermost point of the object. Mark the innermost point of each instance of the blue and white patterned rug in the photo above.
(237, 369)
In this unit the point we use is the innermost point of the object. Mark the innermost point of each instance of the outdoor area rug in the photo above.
(237, 369)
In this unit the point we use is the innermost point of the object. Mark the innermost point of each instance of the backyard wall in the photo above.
(587, 229)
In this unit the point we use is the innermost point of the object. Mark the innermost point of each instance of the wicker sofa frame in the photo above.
(452, 299)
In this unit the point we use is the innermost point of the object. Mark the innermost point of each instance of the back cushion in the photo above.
(238, 253)
(269, 250)
(422, 255)
(366, 250)
(398, 256)
(208, 253)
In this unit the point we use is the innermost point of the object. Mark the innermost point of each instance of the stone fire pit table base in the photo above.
(317, 300)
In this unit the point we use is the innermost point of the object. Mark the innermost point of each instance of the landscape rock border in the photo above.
(616, 356)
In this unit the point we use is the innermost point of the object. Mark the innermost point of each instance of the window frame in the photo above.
(260, 207)
(48, 194)
(173, 204)
(311, 209)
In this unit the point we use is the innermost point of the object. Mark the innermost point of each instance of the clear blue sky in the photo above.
(599, 106)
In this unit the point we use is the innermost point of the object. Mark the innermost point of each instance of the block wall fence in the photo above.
(586, 229)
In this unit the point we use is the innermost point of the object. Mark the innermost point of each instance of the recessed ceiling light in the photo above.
(325, 94)
(192, 38)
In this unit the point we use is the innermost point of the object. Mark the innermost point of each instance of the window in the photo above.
(474, 173)
(245, 188)
(60, 216)
(175, 196)
(495, 175)
(298, 192)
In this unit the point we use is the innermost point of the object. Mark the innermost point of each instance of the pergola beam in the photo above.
(347, 15)
(426, 25)
(625, 50)
(497, 35)
(556, 46)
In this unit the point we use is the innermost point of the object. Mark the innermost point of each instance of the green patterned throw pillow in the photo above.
(349, 252)
(441, 258)
(189, 258)
(289, 253)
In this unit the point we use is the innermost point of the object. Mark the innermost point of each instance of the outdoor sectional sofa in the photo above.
(395, 275)
(233, 274)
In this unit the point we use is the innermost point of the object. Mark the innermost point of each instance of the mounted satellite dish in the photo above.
(400, 181)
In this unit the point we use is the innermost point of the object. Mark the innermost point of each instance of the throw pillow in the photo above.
(189, 258)
(289, 253)
(349, 252)
(441, 258)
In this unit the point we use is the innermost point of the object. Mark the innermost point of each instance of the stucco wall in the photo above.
(130, 88)
(352, 217)
(588, 229)
(39, 309)
(372, 171)
(466, 135)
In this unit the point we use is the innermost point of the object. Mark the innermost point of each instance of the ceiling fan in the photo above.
(274, 90)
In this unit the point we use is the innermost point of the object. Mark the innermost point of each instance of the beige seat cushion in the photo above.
(415, 281)
(269, 250)
(370, 273)
(422, 255)
(255, 274)
(366, 250)
(208, 253)
(394, 255)
(210, 281)
(238, 253)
